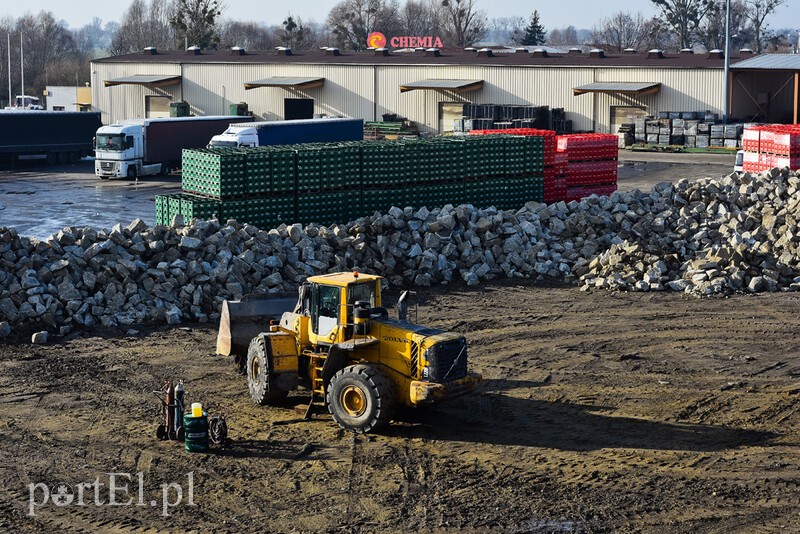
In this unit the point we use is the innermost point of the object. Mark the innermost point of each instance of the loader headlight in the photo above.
(427, 372)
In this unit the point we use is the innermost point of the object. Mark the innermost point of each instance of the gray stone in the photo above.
(5, 329)
(190, 243)
(39, 338)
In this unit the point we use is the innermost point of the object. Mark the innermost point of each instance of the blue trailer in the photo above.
(290, 132)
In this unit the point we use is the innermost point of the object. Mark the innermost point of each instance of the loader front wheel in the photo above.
(361, 398)
(258, 374)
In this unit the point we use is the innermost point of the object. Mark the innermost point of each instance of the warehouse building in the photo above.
(598, 91)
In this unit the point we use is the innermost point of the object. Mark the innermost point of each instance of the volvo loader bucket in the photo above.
(242, 320)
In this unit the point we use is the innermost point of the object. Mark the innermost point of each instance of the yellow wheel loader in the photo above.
(338, 342)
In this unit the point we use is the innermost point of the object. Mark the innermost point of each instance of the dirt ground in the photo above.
(600, 412)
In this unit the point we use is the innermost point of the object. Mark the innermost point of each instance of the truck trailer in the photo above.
(53, 136)
(290, 132)
(144, 147)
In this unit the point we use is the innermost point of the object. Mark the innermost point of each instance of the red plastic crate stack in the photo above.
(555, 179)
(592, 164)
(769, 146)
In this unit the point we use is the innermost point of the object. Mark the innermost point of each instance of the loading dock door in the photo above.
(156, 106)
(625, 115)
(298, 108)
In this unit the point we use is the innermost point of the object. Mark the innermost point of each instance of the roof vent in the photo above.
(283, 50)
(150, 51)
(420, 51)
(655, 53)
(716, 54)
(382, 52)
(575, 51)
(485, 52)
(630, 50)
(238, 51)
(539, 52)
(685, 51)
(596, 52)
(433, 52)
(521, 50)
(193, 51)
(331, 51)
(747, 51)
(469, 49)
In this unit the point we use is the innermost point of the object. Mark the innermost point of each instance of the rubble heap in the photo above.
(713, 236)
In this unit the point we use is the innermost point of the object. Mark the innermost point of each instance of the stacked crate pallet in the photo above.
(690, 129)
(771, 146)
(591, 164)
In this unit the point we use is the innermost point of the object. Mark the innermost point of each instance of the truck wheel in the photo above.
(131, 173)
(361, 398)
(258, 374)
(62, 157)
(164, 169)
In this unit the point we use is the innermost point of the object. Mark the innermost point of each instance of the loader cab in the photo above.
(328, 301)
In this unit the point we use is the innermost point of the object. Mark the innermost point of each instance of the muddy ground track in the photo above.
(600, 412)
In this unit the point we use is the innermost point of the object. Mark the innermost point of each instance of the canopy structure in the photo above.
(626, 88)
(286, 83)
(155, 80)
(456, 86)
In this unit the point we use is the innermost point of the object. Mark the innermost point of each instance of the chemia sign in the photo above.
(379, 40)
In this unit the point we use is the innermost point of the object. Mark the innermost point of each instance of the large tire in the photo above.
(361, 398)
(131, 173)
(258, 374)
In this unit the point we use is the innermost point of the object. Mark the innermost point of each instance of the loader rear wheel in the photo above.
(361, 398)
(258, 374)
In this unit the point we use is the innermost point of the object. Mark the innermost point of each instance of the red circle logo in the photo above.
(376, 40)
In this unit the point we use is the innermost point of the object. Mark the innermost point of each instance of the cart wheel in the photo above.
(179, 434)
(161, 432)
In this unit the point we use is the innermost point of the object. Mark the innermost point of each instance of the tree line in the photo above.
(57, 55)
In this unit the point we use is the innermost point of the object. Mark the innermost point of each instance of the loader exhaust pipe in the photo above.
(402, 307)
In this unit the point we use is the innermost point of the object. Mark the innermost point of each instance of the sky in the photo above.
(578, 13)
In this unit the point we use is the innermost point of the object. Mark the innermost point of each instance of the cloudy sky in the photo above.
(579, 13)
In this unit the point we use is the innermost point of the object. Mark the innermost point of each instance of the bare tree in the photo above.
(466, 24)
(351, 21)
(248, 35)
(620, 31)
(295, 34)
(685, 17)
(422, 17)
(563, 36)
(657, 34)
(195, 22)
(757, 13)
(711, 33)
(47, 43)
(143, 25)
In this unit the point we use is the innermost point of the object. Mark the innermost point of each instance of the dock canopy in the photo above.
(286, 83)
(625, 88)
(456, 86)
(155, 80)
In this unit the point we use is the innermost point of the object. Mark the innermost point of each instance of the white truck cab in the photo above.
(235, 136)
(119, 152)
(738, 166)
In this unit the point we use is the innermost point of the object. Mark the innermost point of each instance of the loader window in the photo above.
(324, 308)
(365, 292)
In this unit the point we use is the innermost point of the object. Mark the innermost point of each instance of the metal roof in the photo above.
(635, 88)
(446, 57)
(770, 62)
(145, 79)
(457, 86)
(286, 82)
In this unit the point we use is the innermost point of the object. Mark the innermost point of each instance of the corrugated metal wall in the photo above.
(127, 101)
(367, 91)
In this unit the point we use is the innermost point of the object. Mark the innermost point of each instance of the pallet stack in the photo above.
(769, 146)
(591, 164)
(693, 129)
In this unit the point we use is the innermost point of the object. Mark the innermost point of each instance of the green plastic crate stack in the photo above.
(455, 166)
(443, 193)
(341, 166)
(324, 208)
(477, 156)
(269, 212)
(258, 175)
(515, 155)
(162, 209)
(200, 208)
(384, 163)
(487, 192)
(219, 172)
(234, 209)
(174, 202)
(522, 189)
(534, 160)
(382, 200)
(283, 169)
(309, 166)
